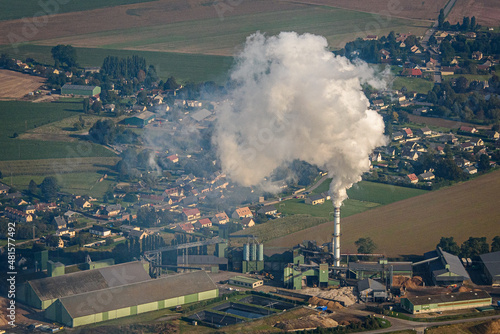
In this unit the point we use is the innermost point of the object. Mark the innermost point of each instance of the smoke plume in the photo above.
(293, 99)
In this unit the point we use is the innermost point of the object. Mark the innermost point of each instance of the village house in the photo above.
(29, 209)
(4, 189)
(397, 136)
(113, 210)
(185, 227)
(191, 214)
(412, 178)
(460, 162)
(477, 55)
(18, 215)
(242, 213)
(202, 223)
(477, 141)
(174, 158)
(100, 231)
(137, 234)
(69, 232)
(492, 135)
(315, 199)
(467, 146)
(82, 203)
(247, 222)
(425, 131)
(412, 72)
(220, 218)
(19, 201)
(471, 170)
(408, 132)
(60, 222)
(427, 176)
(468, 129)
(268, 210)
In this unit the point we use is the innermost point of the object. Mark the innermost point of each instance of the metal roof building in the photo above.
(491, 267)
(445, 268)
(41, 293)
(80, 90)
(140, 120)
(132, 299)
(371, 290)
(446, 302)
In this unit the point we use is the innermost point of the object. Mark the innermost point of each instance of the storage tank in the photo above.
(253, 252)
(246, 252)
(260, 253)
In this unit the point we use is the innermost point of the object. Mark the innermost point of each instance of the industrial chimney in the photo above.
(336, 237)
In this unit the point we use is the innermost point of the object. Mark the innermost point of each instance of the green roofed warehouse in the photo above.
(132, 299)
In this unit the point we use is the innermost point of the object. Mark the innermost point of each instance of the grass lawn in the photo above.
(10, 10)
(470, 77)
(74, 183)
(19, 117)
(418, 85)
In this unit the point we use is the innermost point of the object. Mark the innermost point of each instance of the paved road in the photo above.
(400, 324)
(428, 34)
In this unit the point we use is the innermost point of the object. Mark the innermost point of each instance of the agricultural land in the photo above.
(416, 224)
(15, 85)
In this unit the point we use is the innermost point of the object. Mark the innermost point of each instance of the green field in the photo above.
(375, 192)
(73, 183)
(10, 10)
(418, 85)
(18, 117)
(350, 207)
(213, 36)
(184, 67)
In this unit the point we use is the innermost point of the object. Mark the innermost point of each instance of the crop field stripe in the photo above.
(11, 10)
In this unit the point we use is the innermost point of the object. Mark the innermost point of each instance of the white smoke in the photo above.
(293, 99)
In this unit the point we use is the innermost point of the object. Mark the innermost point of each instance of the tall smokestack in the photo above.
(336, 237)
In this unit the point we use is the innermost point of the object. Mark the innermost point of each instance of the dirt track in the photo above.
(14, 85)
(415, 225)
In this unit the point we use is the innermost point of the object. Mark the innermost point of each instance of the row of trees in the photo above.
(468, 23)
(106, 132)
(471, 247)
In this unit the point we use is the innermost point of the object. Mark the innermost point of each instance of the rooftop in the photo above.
(245, 279)
(448, 297)
(491, 262)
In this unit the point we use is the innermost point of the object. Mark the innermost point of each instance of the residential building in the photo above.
(268, 210)
(412, 178)
(242, 213)
(113, 210)
(247, 222)
(18, 215)
(4, 189)
(66, 232)
(315, 199)
(60, 222)
(427, 176)
(202, 223)
(82, 203)
(220, 218)
(191, 214)
(100, 231)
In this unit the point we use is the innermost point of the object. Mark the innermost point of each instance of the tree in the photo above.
(473, 23)
(465, 23)
(52, 241)
(64, 54)
(49, 188)
(33, 188)
(484, 163)
(170, 84)
(109, 241)
(365, 245)
(495, 244)
(449, 245)
(473, 247)
(441, 18)
(1, 175)
(86, 105)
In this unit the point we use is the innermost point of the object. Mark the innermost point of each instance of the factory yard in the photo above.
(15, 85)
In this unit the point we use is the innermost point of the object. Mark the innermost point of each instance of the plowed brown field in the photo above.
(487, 12)
(415, 225)
(14, 85)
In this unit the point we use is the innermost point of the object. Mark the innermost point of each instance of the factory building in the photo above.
(41, 293)
(140, 120)
(246, 282)
(253, 258)
(381, 269)
(491, 267)
(297, 276)
(444, 268)
(446, 302)
(371, 291)
(132, 299)
(80, 90)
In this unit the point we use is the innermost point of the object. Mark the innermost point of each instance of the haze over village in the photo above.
(250, 166)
